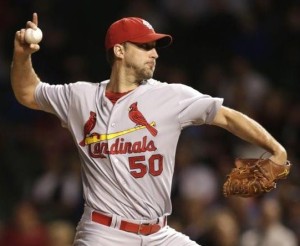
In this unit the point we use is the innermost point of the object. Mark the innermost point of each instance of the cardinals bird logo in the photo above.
(136, 116)
(88, 126)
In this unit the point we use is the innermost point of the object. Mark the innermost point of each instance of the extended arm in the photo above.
(23, 77)
(249, 130)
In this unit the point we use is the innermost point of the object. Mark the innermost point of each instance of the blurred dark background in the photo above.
(246, 51)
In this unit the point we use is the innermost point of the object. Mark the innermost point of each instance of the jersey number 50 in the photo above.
(139, 167)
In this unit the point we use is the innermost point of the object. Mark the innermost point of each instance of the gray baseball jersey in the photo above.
(127, 149)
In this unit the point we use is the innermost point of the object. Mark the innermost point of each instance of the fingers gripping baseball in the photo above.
(33, 36)
(27, 39)
(253, 177)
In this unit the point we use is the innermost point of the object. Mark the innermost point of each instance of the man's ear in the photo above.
(119, 50)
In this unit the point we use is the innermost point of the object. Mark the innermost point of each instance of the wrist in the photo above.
(280, 156)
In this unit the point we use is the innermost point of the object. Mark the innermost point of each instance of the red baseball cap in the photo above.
(136, 30)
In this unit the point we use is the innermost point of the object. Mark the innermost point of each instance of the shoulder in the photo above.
(177, 88)
(84, 89)
(154, 83)
(73, 85)
(78, 88)
(165, 85)
(84, 85)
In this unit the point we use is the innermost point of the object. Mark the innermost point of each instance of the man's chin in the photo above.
(149, 75)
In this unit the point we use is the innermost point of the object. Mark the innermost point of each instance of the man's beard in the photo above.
(144, 74)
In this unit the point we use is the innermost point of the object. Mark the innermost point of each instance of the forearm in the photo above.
(250, 131)
(24, 80)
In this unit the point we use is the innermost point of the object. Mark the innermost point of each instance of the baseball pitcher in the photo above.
(126, 130)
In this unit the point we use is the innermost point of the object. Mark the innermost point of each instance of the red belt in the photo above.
(144, 229)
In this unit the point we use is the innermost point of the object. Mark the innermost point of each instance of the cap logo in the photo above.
(147, 24)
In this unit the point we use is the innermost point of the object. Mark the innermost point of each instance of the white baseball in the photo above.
(33, 36)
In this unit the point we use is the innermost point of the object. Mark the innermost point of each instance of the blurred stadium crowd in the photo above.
(246, 51)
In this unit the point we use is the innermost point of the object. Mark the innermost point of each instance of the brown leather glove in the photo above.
(253, 177)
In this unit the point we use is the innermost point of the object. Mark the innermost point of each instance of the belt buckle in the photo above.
(140, 228)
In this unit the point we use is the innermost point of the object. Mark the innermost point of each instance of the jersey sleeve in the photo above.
(54, 99)
(196, 108)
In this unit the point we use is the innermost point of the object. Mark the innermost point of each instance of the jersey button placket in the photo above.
(111, 129)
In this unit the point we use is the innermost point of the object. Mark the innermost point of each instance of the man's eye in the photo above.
(146, 46)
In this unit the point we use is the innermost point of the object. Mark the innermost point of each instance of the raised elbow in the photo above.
(26, 99)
